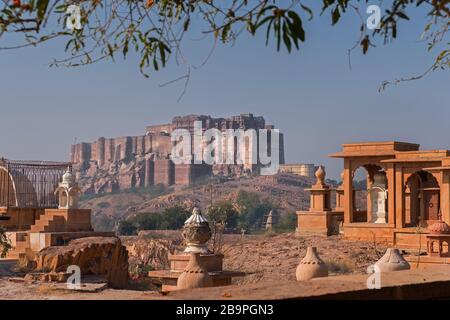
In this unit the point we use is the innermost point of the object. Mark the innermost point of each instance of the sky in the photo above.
(312, 95)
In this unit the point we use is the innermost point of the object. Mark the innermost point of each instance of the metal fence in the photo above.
(29, 184)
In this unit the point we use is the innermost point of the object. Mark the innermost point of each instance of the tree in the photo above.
(127, 228)
(148, 221)
(287, 222)
(252, 210)
(173, 218)
(223, 212)
(155, 29)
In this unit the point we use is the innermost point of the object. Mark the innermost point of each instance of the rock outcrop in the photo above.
(96, 179)
(99, 256)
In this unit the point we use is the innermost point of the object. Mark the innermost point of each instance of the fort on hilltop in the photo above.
(111, 164)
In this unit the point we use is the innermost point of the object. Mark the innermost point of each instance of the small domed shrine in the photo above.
(68, 191)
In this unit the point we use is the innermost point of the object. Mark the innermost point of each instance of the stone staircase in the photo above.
(51, 222)
(50, 227)
(48, 222)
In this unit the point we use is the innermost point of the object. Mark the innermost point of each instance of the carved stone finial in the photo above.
(196, 233)
(320, 175)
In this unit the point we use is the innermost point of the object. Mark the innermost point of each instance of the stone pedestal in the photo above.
(324, 223)
(213, 263)
(378, 212)
(320, 219)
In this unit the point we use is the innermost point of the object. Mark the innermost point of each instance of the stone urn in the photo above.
(312, 266)
(196, 233)
(439, 227)
(194, 275)
(392, 261)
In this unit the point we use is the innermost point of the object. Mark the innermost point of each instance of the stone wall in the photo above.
(164, 172)
(106, 151)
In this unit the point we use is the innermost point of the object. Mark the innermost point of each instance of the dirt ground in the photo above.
(271, 257)
(265, 258)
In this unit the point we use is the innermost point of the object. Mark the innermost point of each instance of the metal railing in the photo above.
(29, 184)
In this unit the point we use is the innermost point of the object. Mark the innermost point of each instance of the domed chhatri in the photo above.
(196, 232)
(68, 191)
(392, 261)
(195, 275)
(312, 266)
(439, 227)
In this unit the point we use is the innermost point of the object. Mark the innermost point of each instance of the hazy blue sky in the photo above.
(311, 95)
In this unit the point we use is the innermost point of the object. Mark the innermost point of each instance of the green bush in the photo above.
(172, 218)
(147, 221)
(127, 228)
(287, 223)
(223, 212)
(252, 210)
(102, 222)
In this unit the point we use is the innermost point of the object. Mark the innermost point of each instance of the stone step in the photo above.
(49, 224)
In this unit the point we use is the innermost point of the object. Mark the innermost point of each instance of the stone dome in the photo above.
(68, 177)
(439, 227)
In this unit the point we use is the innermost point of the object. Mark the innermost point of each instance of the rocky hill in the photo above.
(284, 190)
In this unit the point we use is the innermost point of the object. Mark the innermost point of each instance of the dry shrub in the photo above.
(341, 266)
(151, 254)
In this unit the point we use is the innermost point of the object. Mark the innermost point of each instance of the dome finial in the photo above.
(320, 175)
(68, 176)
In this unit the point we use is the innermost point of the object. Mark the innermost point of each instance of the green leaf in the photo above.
(286, 39)
(365, 44)
(336, 15)
(225, 32)
(42, 8)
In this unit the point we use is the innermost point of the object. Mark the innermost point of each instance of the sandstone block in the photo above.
(100, 256)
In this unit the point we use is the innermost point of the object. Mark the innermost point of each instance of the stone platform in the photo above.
(433, 283)
(46, 227)
(424, 262)
(169, 278)
(212, 262)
